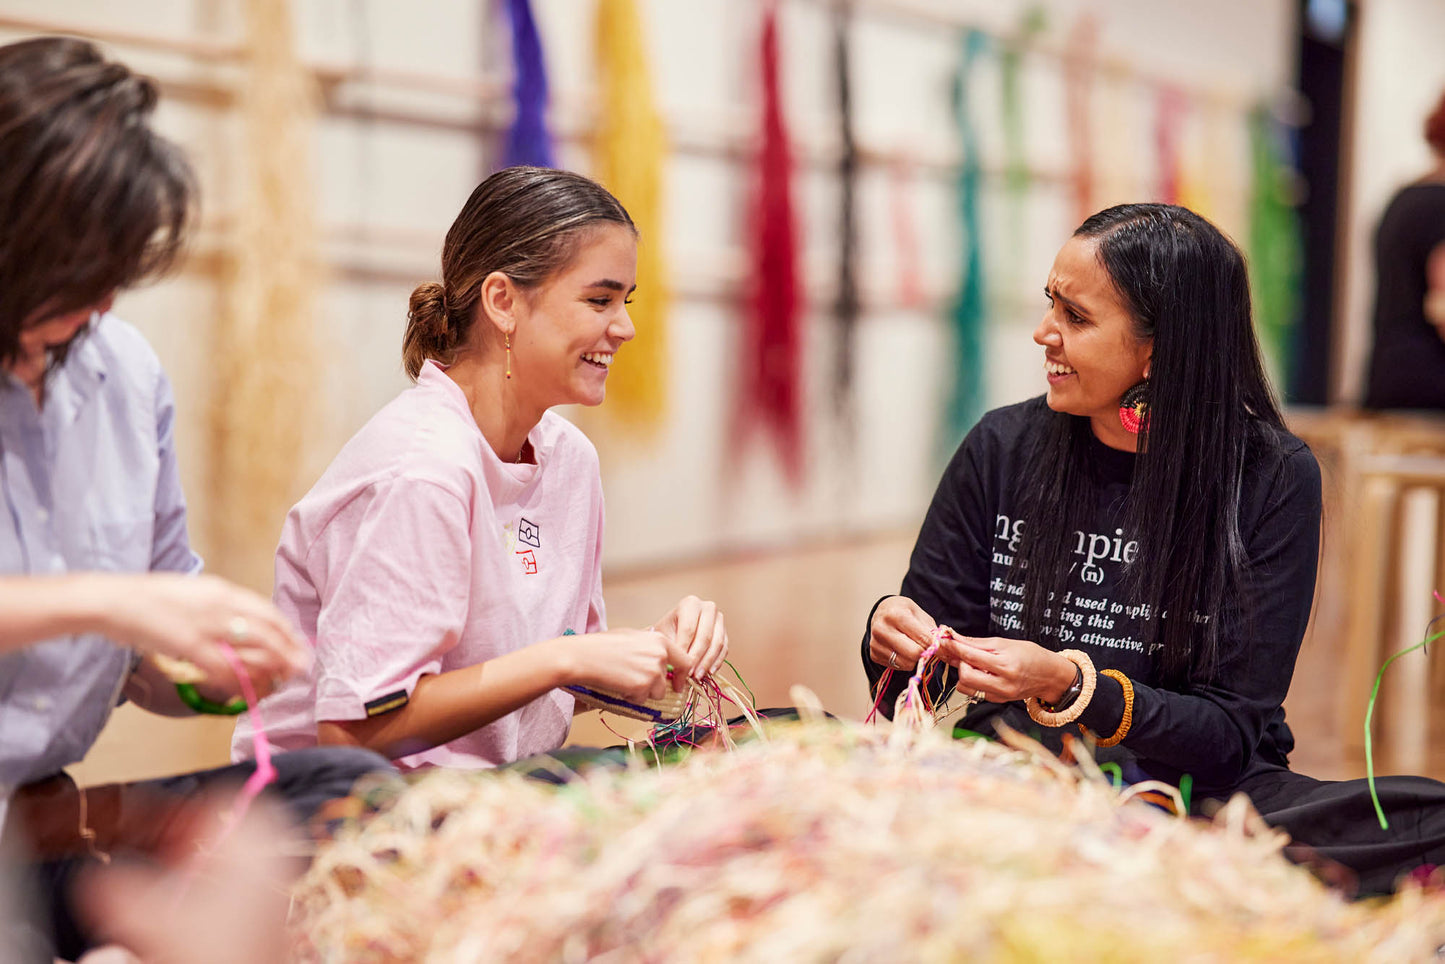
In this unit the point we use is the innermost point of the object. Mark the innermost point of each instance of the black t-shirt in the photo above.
(1218, 731)
(1407, 362)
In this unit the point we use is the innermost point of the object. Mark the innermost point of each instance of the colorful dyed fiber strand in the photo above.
(1276, 257)
(262, 776)
(967, 380)
(629, 150)
(528, 141)
(846, 308)
(1169, 108)
(1015, 148)
(905, 234)
(771, 379)
(1079, 70)
(1370, 714)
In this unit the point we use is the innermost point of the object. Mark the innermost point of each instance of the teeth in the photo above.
(1054, 368)
(600, 358)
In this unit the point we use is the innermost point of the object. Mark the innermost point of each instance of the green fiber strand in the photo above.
(1369, 715)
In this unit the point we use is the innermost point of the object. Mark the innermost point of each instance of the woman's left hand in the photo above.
(1007, 669)
(697, 627)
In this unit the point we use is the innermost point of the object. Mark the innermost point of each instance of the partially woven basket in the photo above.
(665, 710)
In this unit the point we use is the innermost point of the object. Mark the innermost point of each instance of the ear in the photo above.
(1148, 358)
(499, 302)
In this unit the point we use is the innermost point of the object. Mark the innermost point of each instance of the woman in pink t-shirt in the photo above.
(448, 562)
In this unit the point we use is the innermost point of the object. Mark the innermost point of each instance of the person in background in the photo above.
(448, 562)
(1134, 552)
(97, 577)
(1407, 362)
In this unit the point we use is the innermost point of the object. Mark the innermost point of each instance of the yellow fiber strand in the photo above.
(629, 150)
(264, 358)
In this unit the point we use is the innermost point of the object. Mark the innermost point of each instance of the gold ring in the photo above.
(978, 696)
(238, 629)
(893, 660)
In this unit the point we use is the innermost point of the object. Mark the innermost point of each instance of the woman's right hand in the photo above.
(185, 617)
(899, 633)
(633, 663)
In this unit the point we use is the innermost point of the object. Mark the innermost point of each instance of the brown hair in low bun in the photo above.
(427, 329)
(525, 222)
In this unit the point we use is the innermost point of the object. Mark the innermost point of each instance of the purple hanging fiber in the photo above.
(528, 141)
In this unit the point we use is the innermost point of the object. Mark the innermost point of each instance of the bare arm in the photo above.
(179, 616)
(445, 706)
(1435, 288)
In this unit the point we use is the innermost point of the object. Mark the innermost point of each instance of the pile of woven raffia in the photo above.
(828, 842)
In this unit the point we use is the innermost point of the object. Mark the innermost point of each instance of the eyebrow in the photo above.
(1069, 303)
(611, 285)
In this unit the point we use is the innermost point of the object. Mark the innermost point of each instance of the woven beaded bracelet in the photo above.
(1064, 717)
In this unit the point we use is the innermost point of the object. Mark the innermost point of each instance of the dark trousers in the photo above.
(1336, 820)
(305, 780)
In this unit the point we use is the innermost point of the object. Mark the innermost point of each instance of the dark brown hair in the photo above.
(91, 199)
(526, 222)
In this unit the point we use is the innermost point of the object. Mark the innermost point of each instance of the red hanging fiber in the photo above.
(771, 390)
(1168, 128)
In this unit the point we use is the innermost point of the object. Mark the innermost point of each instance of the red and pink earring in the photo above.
(1134, 408)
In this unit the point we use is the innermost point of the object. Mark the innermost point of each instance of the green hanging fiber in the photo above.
(1016, 164)
(1275, 245)
(967, 394)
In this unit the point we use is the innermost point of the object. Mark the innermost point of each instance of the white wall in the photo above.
(387, 192)
(1400, 75)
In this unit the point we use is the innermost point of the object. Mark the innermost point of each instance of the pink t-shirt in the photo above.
(419, 551)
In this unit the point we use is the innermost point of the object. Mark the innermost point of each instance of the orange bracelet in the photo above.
(1128, 718)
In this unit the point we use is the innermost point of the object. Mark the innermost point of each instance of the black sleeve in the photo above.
(949, 571)
(1212, 730)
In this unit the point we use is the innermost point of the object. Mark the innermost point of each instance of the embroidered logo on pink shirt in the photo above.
(529, 533)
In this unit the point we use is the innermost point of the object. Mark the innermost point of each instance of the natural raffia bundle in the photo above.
(266, 361)
(828, 841)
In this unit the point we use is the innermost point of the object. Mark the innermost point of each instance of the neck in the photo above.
(503, 419)
(1109, 430)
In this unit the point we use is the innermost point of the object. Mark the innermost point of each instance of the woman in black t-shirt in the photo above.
(1135, 552)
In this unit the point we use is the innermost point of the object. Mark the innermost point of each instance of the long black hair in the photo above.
(1185, 286)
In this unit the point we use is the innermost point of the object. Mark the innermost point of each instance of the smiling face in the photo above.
(37, 341)
(1092, 355)
(569, 329)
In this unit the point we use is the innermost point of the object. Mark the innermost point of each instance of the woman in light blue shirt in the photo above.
(96, 571)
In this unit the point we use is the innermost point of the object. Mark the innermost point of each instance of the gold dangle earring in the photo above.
(508, 338)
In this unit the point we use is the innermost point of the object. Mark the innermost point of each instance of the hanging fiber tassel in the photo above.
(772, 350)
(1170, 106)
(629, 149)
(846, 308)
(968, 388)
(270, 273)
(1275, 246)
(1079, 69)
(528, 141)
(1017, 176)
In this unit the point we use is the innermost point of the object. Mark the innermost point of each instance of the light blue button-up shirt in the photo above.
(89, 482)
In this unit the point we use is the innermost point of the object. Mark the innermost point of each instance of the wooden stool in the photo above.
(1380, 561)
